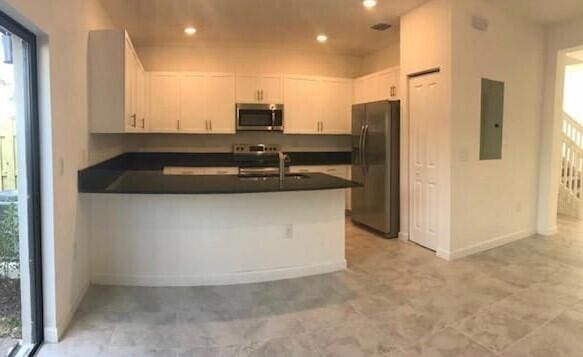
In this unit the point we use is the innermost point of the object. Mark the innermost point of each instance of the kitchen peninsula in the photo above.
(157, 221)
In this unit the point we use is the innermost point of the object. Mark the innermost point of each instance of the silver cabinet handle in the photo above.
(322, 125)
(210, 125)
(206, 125)
(178, 124)
(143, 123)
(134, 117)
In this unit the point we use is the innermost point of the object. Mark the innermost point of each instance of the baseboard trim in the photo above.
(53, 334)
(482, 246)
(404, 236)
(551, 231)
(219, 279)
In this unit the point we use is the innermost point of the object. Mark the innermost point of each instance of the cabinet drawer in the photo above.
(221, 170)
(178, 170)
(333, 170)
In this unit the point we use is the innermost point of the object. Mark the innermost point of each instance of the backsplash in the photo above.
(224, 143)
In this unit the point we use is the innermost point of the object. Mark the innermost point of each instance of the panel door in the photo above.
(301, 105)
(193, 106)
(221, 103)
(164, 102)
(425, 121)
(271, 89)
(248, 88)
(336, 106)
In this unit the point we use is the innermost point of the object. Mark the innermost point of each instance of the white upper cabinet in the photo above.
(117, 94)
(336, 106)
(259, 88)
(316, 105)
(383, 85)
(165, 102)
(221, 103)
(301, 105)
(192, 103)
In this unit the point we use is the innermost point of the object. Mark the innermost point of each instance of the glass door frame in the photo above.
(33, 172)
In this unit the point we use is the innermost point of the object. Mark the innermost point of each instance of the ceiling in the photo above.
(544, 11)
(274, 23)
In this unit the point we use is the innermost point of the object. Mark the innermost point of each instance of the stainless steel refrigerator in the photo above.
(375, 164)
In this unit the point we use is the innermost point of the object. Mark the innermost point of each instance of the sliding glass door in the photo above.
(21, 322)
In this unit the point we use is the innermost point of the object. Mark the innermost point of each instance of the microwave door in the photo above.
(253, 119)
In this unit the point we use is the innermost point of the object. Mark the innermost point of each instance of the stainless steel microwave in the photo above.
(260, 117)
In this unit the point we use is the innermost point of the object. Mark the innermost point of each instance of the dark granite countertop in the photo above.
(141, 173)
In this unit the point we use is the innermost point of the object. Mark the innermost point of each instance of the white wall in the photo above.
(494, 201)
(63, 26)
(248, 59)
(425, 45)
(381, 59)
(559, 38)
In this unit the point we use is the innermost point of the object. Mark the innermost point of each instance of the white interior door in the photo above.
(424, 118)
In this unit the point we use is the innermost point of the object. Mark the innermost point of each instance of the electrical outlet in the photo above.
(289, 231)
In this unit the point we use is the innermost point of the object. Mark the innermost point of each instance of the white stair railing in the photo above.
(572, 166)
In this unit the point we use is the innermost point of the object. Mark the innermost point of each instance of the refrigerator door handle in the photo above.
(364, 136)
(360, 148)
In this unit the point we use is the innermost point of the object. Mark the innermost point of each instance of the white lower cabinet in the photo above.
(341, 171)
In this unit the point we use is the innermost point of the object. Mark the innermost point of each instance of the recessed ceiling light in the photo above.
(322, 38)
(369, 4)
(190, 31)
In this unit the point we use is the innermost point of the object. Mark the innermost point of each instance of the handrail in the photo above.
(572, 157)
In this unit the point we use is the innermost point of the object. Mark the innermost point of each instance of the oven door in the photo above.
(264, 117)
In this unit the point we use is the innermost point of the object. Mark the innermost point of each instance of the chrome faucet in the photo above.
(282, 158)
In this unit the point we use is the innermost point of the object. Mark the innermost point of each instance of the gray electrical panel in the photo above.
(492, 116)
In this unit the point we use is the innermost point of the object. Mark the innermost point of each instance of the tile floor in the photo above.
(397, 299)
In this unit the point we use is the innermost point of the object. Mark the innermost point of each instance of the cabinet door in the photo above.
(193, 108)
(301, 114)
(130, 91)
(396, 94)
(248, 88)
(221, 103)
(141, 98)
(271, 89)
(336, 102)
(164, 102)
(221, 170)
(387, 85)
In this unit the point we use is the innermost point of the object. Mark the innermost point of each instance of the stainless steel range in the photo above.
(259, 160)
